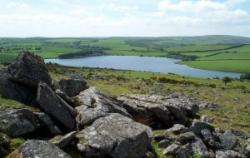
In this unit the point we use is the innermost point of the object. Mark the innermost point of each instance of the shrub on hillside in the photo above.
(245, 76)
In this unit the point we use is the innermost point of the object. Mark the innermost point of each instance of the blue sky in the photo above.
(98, 18)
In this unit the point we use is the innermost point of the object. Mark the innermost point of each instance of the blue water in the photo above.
(152, 64)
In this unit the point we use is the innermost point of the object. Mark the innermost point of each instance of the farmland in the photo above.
(224, 53)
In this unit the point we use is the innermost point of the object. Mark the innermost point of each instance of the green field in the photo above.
(224, 53)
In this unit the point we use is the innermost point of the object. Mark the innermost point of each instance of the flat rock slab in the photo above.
(38, 149)
(160, 110)
(114, 136)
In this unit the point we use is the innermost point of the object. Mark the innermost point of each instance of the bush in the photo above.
(245, 76)
(226, 80)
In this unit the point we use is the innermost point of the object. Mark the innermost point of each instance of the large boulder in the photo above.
(29, 70)
(38, 149)
(159, 111)
(94, 104)
(55, 106)
(15, 91)
(18, 122)
(72, 87)
(114, 136)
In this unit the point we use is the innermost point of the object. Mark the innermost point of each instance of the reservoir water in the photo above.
(151, 64)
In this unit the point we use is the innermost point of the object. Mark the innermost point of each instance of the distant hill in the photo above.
(187, 40)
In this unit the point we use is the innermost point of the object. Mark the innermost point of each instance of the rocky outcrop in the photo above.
(202, 140)
(50, 103)
(94, 105)
(72, 87)
(18, 122)
(38, 149)
(114, 136)
(160, 111)
(29, 70)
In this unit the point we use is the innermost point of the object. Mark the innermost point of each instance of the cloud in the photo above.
(123, 18)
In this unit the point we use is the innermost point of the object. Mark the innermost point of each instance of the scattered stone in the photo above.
(177, 129)
(208, 105)
(164, 143)
(178, 151)
(206, 119)
(38, 149)
(54, 106)
(228, 154)
(29, 70)
(18, 122)
(72, 87)
(114, 136)
(199, 148)
(209, 139)
(63, 141)
(198, 126)
(186, 137)
(229, 140)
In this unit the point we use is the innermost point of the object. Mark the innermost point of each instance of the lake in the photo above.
(152, 64)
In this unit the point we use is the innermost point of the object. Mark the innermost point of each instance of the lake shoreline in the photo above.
(140, 63)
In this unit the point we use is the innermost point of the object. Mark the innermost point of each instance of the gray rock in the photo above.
(54, 106)
(229, 141)
(200, 149)
(164, 143)
(114, 136)
(186, 137)
(4, 144)
(210, 140)
(63, 141)
(178, 151)
(47, 124)
(197, 126)
(15, 91)
(38, 149)
(94, 105)
(72, 87)
(177, 129)
(18, 122)
(29, 70)
(163, 111)
(208, 105)
(229, 154)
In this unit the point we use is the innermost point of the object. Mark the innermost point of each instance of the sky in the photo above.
(105, 18)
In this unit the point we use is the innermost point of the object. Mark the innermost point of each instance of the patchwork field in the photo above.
(224, 53)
